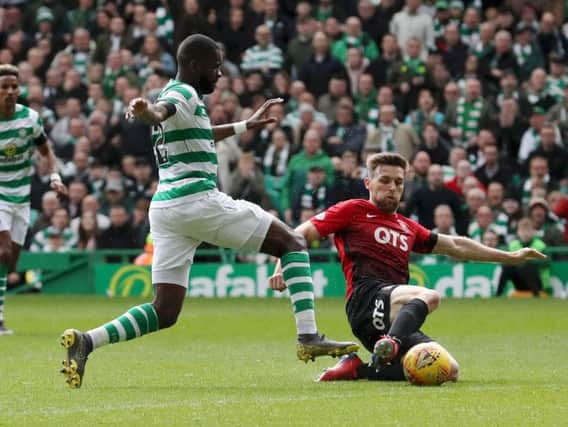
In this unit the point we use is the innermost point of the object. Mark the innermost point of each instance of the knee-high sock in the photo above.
(137, 321)
(298, 278)
(409, 319)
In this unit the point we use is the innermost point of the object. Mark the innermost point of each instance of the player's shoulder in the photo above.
(176, 91)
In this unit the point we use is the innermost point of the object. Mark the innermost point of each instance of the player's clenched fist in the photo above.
(136, 108)
(276, 282)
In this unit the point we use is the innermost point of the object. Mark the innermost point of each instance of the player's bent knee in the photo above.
(296, 243)
(432, 299)
(167, 316)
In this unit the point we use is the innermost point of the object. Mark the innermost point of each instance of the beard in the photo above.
(388, 205)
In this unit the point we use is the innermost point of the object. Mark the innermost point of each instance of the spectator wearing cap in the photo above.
(550, 38)
(527, 51)
(296, 174)
(441, 19)
(456, 8)
(553, 150)
(556, 80)
(380, 67)
(454, 51)
(391, 135)
(410, 23)
(321, 67)
(264, 56)
(545, 223)
(535, 94)
(46, 28)
(117, 37)
(345, 133)
(354, 37)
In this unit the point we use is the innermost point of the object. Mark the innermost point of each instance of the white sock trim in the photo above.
(294, 265)
(301, 295)
(301, 279)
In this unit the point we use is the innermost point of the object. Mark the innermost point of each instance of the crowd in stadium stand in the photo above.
(473, 93)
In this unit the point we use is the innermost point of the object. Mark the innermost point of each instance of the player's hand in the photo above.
(276, 282)
(257, 121)
(526, 254)
(59, 188)
(136, 108)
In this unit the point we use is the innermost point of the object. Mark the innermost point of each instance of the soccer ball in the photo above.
(427, 364)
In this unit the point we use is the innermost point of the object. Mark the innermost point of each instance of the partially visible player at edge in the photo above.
(374, 244)
(21, 131)
(188, 209)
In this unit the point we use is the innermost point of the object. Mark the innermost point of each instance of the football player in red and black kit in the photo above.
(374, 244)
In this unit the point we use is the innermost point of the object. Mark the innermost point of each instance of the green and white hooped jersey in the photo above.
(17, 135)
(184, 148)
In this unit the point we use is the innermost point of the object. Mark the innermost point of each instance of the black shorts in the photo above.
(368, 312)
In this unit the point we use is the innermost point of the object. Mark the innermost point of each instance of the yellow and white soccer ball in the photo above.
(427, 364)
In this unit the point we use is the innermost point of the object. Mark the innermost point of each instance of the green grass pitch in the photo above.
(232, 362)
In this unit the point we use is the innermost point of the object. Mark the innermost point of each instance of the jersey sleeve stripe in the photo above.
(15, 199)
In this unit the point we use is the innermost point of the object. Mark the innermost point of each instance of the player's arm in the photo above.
(310, 233)
(54, 177)
(466, 249)
(152, 114)
(256, 121)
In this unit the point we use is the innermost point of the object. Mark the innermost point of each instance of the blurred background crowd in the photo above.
(473, 93)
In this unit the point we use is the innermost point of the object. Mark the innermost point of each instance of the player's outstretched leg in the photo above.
(290, 247)
(409, 307)
(136, 322)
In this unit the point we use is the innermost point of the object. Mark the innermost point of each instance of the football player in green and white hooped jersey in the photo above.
(21, 131)
(188, 209)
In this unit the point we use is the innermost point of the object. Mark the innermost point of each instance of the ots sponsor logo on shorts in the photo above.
(386, 236)
(379, 315)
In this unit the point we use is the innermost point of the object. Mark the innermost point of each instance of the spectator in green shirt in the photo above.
(298, 168)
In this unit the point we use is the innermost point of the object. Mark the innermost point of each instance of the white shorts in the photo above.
(15, 219)
(214, 218)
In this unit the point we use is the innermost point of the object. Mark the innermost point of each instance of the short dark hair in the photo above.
(195, 47)
(9, 70)
(390, 159)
